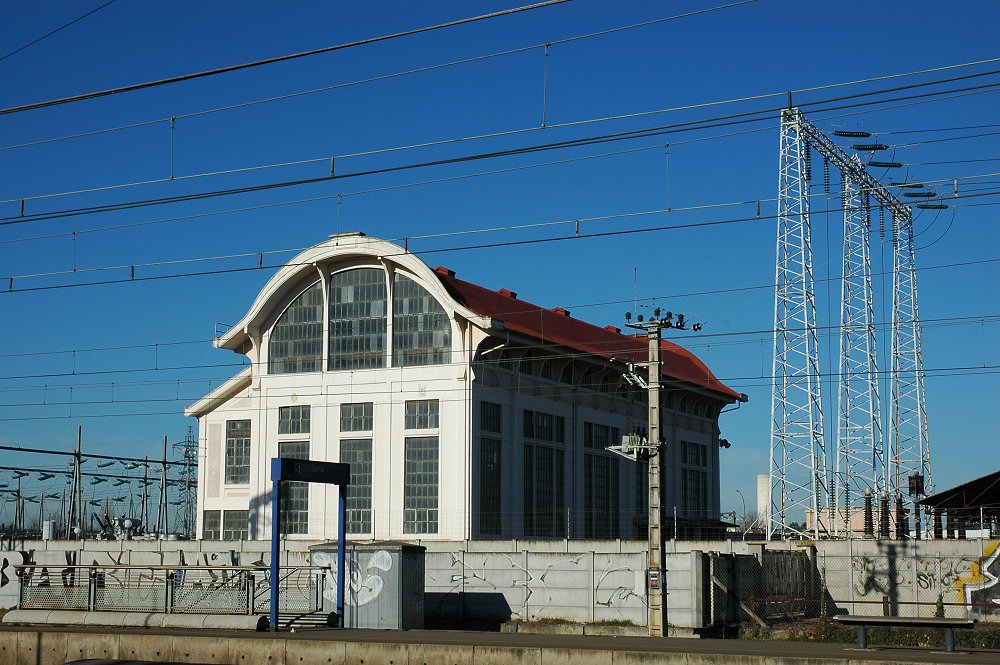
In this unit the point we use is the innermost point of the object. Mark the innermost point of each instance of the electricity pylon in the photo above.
(860, 463)
(799, 479)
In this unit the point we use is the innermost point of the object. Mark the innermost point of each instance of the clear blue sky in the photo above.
(127, 399)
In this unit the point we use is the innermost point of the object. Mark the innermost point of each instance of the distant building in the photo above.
(465, 413)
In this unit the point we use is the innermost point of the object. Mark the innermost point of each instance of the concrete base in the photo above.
(136, 619)
(540, 628)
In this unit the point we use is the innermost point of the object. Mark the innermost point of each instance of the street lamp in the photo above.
(744, 504)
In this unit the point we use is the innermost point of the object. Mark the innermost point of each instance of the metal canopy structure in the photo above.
(803, 481)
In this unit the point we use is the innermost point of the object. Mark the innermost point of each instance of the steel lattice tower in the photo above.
(860, 463)
(800, 477)
(798, 458)
(908, 428)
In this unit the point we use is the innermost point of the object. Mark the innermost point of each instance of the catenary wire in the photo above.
(717, 121)
(283, 58)
(509, 243)
(52, 32)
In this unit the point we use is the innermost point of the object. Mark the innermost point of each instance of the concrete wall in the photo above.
(601, 580)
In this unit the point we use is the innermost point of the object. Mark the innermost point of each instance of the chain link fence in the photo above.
(189, 589)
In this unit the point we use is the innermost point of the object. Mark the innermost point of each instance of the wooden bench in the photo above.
(862, 622)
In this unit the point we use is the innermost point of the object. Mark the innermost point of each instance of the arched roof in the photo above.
(339, 249)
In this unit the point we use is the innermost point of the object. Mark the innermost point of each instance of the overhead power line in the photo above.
(509, 243)
(52, 32)
(270, 61)
(761, 115)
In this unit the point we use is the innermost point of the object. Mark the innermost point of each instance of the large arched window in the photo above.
(296, 343)
(357, 319)
(421, 331)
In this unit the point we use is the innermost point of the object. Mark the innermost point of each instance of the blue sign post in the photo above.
(309, 471)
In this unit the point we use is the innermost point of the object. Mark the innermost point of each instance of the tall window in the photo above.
(694, 481)
(358, 453)
(421, 331)
(294, 494)
(490, 502)
(235, 524)
(237, 452)
(420, 467)
(420, 485)
(296, 343)
(359, 419)
(211, 526)
(600, 487)
(544, 475)
(357, 319)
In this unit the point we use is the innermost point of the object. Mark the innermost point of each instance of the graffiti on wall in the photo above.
(361, 586)
(981, 587)
(546, 589)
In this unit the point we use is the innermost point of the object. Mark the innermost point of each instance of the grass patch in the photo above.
(614, 622)
(981, 637)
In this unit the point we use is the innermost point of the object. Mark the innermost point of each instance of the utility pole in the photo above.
(75, 490)
(161, 516)
(652, 448)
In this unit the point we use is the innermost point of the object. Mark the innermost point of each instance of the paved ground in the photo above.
(731, 650)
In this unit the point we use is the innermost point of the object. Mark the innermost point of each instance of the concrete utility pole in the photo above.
(655, 486)
(652, 448)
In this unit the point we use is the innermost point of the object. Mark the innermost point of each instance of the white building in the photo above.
(464, 412)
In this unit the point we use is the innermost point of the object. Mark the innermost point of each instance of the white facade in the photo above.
(329, 331)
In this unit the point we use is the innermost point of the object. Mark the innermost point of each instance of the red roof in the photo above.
(556, 326)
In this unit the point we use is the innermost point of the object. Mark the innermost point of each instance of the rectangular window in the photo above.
(211, 526)
(357, 417)
(421, 414)
(358, 453)
(490, 507)
(235, 524)
(544, 492)
(694, 492)
(294, 494)
(695, 454)
(237, 452)
(544, 427)
(490, 417)
(601, 491)
(293, 420)
(600, 436)
(420, 482)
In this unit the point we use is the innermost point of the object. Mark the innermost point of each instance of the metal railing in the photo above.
(169, 589)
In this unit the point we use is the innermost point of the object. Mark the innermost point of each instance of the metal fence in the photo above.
(170, 589)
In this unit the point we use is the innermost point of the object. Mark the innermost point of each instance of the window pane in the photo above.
(294, 494)
(420, 484)
(237, 452)
(421, 414)
(296, 343)
(357, 319)
(211, 528)
(235, 524)
(421, 331)
(358, 453)
(357, 417)
(490, 417)
(490, 507)
(293, 420)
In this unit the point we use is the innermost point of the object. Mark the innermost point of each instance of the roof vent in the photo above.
(613, 329)
(507, 292)
(441, 270)
(349, 234)
(560, 310)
